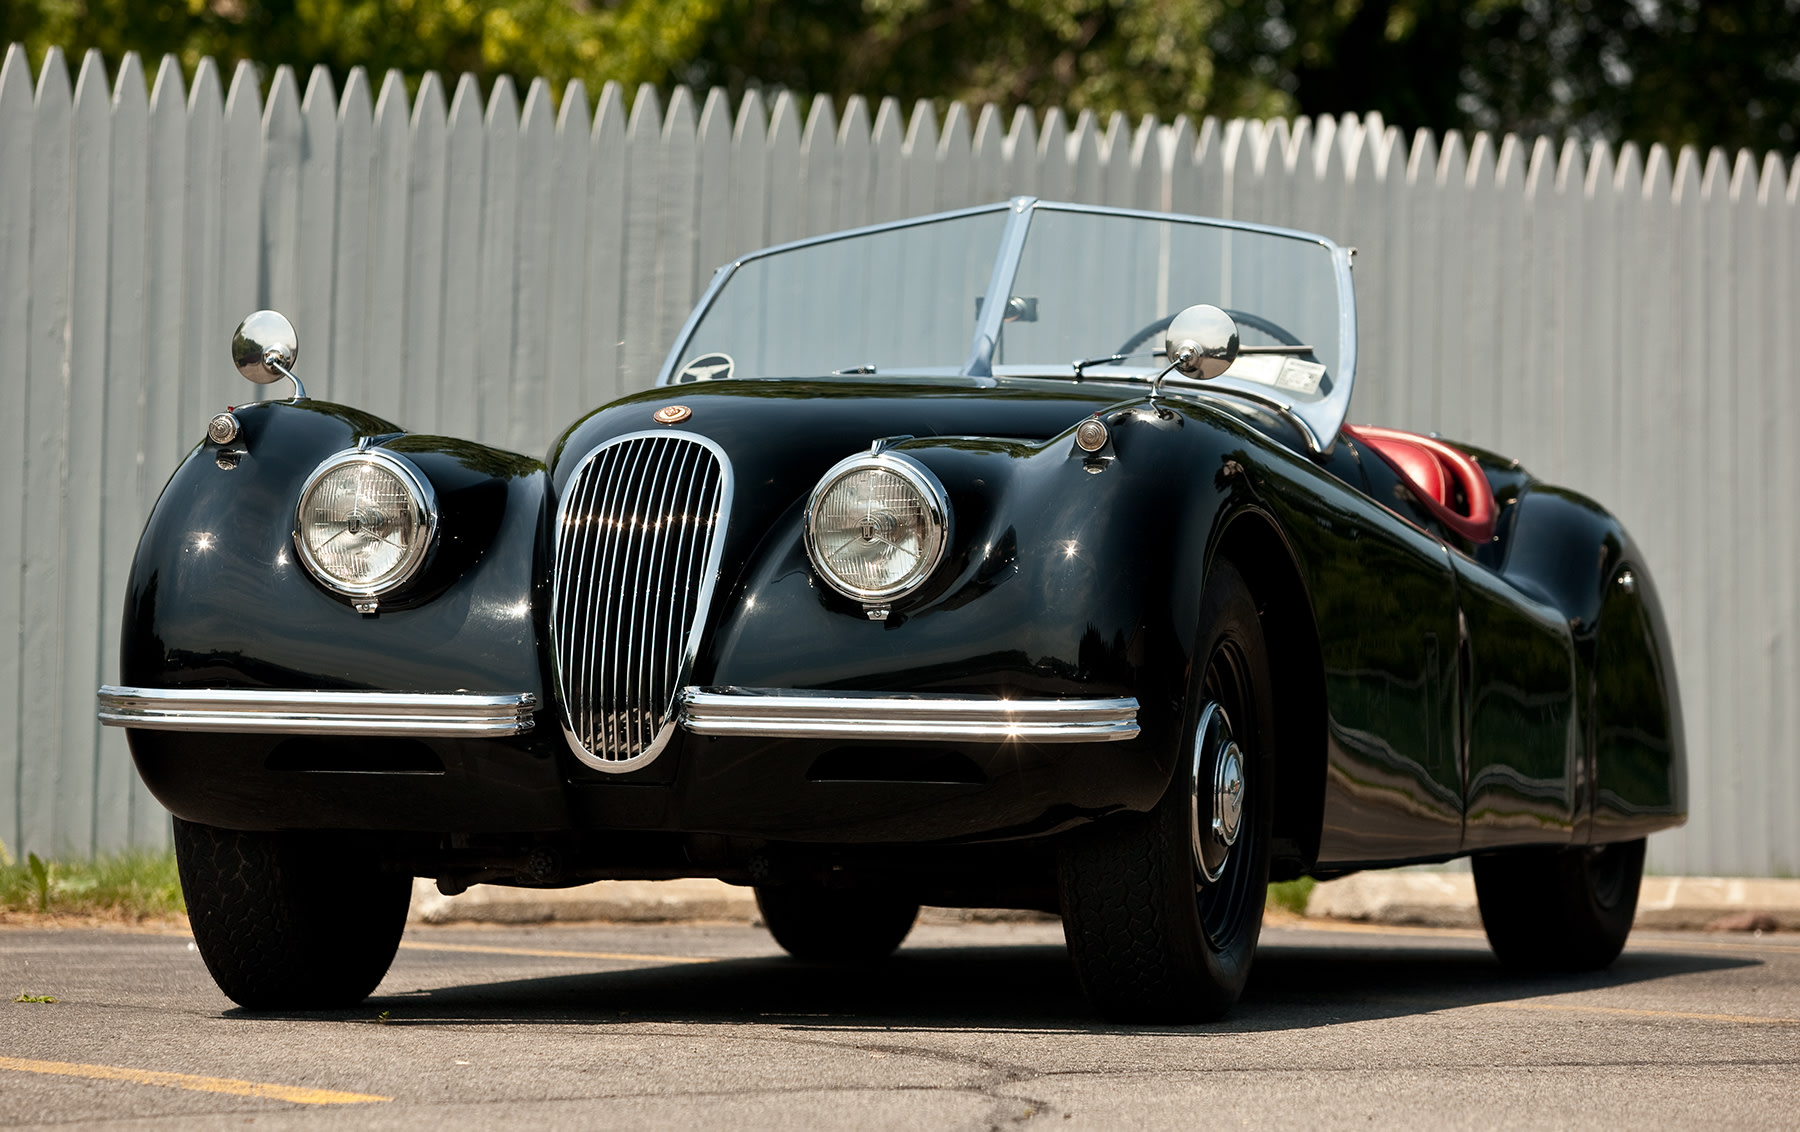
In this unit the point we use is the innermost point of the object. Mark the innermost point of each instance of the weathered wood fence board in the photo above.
(1620, 321)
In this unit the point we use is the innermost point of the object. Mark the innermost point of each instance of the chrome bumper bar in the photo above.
(447, 714)
(781, 713)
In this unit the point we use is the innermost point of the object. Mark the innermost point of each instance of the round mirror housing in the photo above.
(1202, 342)
(265, 348)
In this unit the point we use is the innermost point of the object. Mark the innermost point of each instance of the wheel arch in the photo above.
(1253, 543)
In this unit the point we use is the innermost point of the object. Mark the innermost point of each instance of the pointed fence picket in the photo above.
(1618, 320)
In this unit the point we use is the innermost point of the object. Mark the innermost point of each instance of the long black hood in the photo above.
(806, 426)
(781, 436)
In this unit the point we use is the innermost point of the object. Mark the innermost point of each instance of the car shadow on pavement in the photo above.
(1298, 985)
(1294, 985)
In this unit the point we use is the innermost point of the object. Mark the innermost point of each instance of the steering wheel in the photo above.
(1274, 330)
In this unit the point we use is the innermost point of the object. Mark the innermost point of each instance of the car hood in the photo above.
(780, 437)
(775, 431)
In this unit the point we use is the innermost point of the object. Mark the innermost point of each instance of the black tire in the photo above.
(285, 923)
(835, 926)
(1559, 909)
(1152, 939)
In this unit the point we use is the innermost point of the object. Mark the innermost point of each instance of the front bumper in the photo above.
(778, 764)
(783, 713)
(262, 711)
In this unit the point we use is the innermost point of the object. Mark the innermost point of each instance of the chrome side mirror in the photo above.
(265, 348)
(1202, 342)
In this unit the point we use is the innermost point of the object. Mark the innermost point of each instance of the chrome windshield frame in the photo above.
(1319, 420)
(721, 276)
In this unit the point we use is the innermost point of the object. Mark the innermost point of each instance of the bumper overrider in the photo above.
(773, 714)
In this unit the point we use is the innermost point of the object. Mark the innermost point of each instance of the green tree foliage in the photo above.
(629, 40)
(1140, 56)
(1705, 72)
(1717, 72)
(1137, 56)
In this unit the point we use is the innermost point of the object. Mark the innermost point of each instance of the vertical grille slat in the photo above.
(582, 617)
(593, 555)
(637, 543)
(673, 564)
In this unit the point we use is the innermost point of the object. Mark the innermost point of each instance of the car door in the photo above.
(1520, 742)
(1521, 732)
(1384, 603)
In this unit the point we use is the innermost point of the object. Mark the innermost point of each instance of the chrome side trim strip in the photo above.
(446, 714)
(785, 713)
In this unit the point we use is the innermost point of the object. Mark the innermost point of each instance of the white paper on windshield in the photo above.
(1301, 377)
(1279, 371)
(1264, 369)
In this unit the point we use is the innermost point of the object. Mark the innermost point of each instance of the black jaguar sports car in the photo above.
(1018, 556)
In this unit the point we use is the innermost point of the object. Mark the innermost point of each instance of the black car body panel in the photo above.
(1437, 697)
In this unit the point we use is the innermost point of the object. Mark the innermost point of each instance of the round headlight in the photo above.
(364, 522)
(876, 526)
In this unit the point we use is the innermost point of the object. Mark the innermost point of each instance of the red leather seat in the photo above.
(1433, 471)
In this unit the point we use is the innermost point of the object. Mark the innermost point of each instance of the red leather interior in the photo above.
(1435, 471)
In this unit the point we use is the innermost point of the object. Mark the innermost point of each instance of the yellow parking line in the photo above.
(1361, 927)
(481, 949)
(295, 1093)
(1757, 1019)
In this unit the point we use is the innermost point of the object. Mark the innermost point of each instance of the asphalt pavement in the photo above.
(970, 1026)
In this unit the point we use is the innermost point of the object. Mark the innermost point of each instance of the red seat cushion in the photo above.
(1433, 470)
(1421, 469)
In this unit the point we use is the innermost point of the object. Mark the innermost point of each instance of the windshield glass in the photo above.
(903, 300)
(1091, 285)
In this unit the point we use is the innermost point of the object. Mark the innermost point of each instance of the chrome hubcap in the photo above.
(1228, 795)
(1218, 798)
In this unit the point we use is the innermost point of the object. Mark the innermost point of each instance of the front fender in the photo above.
(217, 599)
(1068, 575)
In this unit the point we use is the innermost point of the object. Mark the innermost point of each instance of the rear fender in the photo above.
(1569, 552)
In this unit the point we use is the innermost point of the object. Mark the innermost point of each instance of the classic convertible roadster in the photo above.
(1018, 556)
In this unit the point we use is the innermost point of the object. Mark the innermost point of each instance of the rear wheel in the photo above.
(1559, 909)
(1162, 911)
(283, 921)
(835, 926)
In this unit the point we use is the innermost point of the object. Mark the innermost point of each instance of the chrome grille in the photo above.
(638, 537)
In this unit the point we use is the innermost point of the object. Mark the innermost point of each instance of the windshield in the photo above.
(1080, 293)
(900, 299)
(1091, 285)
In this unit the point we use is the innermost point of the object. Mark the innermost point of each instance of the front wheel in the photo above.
(835, 925)
(1162, 911)
(283, 921)
(1559, 909)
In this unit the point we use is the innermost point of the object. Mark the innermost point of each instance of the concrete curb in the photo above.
(1432, 899)
(1442, 899)
(618, 901)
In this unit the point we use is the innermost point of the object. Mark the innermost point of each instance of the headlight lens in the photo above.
(876, 526)
(364, 522)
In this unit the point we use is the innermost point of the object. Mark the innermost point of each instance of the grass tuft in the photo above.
(1291, 895)
(23, 997)
(134, 884)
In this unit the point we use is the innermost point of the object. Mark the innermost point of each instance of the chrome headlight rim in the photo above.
(937, 509)
(422, 499)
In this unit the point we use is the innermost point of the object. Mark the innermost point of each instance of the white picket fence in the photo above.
(1624, 323)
